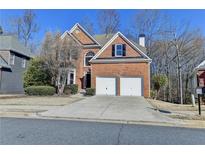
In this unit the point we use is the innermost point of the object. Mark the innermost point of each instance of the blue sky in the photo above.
(62, 20)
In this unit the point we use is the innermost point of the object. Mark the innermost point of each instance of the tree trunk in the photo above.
(168, 86)
(179, 75)
(186, 86)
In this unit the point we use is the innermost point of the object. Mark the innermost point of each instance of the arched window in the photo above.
(88, 57)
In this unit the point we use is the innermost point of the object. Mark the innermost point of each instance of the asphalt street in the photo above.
(40, 132)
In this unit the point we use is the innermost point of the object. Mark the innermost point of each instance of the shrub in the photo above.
(153, 94)
(67, 90)
(90, 91)
(73, 88)
(159, 81)
(40, 90)
(37, 73)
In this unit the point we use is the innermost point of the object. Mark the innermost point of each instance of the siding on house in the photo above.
(12, 79)
(5, 55)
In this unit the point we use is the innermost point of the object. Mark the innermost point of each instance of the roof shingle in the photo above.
(10, 42)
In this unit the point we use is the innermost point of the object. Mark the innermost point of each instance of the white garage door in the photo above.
(130, 86)
(105, 86)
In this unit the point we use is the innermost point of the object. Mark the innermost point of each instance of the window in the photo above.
(71, 77)
(118, 50)
(12, 59)
(88, 57)
(23, 64)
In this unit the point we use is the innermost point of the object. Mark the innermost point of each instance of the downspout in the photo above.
(149, 78)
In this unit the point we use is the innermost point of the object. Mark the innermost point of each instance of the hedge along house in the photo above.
(112, 64)
(14, 59)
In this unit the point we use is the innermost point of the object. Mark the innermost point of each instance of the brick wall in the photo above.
(122, 70)
(130, 52)
(80, 70)
(82, 37)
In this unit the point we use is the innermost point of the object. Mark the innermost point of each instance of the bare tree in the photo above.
(177, 51)
(188, 45)
(88, 25)
(109, 21)
(147, 22)
(60, 55)
(25, 26)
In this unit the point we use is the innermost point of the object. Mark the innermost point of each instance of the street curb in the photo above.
(185, 125)
(94, 120)
(108, 120)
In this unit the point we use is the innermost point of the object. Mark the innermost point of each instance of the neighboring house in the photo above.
(200, 72)
(112, 64)
(14, 59)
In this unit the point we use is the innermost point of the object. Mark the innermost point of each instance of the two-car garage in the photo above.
(128, 86)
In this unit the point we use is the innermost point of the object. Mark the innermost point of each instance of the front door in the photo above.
(88, 80)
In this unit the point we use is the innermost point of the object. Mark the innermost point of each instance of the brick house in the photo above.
(112, 64)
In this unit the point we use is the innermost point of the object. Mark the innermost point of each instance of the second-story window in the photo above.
(118, 50)
(23, 64)
(12, 59)
(88, 57)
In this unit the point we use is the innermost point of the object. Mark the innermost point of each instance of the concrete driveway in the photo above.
(116, 108)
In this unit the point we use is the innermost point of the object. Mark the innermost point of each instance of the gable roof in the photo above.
(3, 63)
(10, 42)
(134, 45)
(200, 66)
(77, 25)
(103, 38)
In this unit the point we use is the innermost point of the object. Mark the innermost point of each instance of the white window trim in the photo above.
(12, 62)
(23, 64)
(84, 64)
(74, 78)
(116, 50)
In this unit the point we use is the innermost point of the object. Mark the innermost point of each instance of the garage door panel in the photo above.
(105, 86)
(130, 86)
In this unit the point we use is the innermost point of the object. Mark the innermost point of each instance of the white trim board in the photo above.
(112, 39)
(135, 60)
